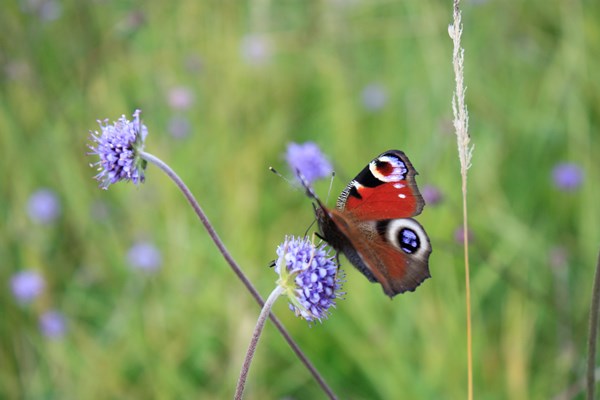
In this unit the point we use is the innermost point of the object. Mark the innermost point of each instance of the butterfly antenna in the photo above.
(330, 187)
(309, 190)
(292, 184)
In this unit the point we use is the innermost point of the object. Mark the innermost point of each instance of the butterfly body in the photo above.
(371, 224)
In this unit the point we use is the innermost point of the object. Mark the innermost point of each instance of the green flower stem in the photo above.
(235, 267)
(260, 324)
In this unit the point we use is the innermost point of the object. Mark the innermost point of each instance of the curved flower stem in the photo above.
(235, 267)
(260, 324)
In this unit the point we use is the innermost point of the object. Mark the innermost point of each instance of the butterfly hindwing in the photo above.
(392, 252)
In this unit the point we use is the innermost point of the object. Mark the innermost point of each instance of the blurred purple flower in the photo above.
(308, 159)
(133, 21)
(43, 206)
(179, 127)
(255, 49)
(53, 324)
(118, 147)
(558, 257)
(432, 195)
(374, 97)
(344, 3)
(144, 256)
(27, 285)
(17, 70)
(459, 236)
(567, 176)
(309, 277)
(194, 63)
(45, 10)
(181, 98)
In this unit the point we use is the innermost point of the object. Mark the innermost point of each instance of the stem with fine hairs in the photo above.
(235, 267)
(260, 324)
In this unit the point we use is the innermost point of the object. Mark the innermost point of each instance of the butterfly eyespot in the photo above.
(409, 241)
(406, 234)
(388, 168)
(383, 167)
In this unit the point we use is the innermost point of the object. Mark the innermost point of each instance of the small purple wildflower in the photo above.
(308, 160)
(459, 235)
(53, 324)
(374, 97)
(567, 176)
(45, 10)
(17, 70)
(558, 257)
(181, 98)
(432, 195)
(27, 285)
(309, 277)
(255, 49)
(144, 256)
(118, 147)
(43, 206)
(194, 63)
(133, 21)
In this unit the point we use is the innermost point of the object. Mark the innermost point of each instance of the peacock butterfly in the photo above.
(371, 224)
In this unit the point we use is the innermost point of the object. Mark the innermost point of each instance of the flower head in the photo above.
(459, 235)
(43, 206)
(144, 256)
(374, 97)
(118, 146)
(27, 285)
(45, 10)
(308, 160)
(181, 98)
(53, 324)
(255, 49)
(567, 176)
(309, 277)
(432, 195)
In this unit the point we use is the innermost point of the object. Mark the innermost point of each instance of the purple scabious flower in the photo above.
(255, 49)
(118, 146)
(567, 176)
(309, 277)
(27, 285)
(374, 97)
(53, 324)
(181, 98)
(308, 160)
(432, 195)
(43, 206)
(144, 256)
(45, 10)
(459, 235)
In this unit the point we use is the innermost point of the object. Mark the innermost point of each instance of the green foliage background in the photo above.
(532, 71)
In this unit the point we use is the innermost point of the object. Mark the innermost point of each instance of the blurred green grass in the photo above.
(533, 97)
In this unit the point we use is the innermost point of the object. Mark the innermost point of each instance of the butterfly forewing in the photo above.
(384, 189)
